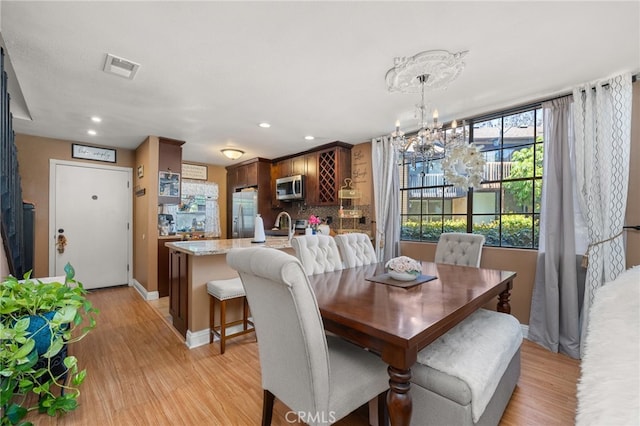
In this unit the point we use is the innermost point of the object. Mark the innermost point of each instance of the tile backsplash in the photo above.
(299, 211)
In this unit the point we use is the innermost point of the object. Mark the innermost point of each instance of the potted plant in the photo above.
(38, 321)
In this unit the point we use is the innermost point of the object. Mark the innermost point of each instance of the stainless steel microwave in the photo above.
(290, 188)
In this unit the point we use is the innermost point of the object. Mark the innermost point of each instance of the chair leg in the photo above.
(212, 317)
(383, 414)
(223, 324)
(245, 314)
(267, 407)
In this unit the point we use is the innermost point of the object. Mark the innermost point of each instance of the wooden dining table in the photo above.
(397, 322)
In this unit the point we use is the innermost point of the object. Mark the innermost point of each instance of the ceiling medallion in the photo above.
(462, 164)
(441, 66)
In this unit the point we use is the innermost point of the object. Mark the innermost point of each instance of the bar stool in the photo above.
(223, 290)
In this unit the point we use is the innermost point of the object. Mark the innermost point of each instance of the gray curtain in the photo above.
(554, 321)
(386, 192)
(602, 114)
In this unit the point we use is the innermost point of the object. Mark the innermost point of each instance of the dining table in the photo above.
(396, 319)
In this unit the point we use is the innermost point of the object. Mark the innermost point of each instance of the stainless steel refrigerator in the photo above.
(243, 210)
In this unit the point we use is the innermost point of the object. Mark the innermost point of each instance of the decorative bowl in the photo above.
(402, 276)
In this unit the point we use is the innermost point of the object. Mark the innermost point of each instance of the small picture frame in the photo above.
(140, 171)
(169, 184)
(94, 153)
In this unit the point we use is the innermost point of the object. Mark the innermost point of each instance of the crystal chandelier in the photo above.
(428, 142)
(463, 164)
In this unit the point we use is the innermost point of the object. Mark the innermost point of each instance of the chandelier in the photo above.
(462, 164)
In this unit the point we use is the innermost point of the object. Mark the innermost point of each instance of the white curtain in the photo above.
(386, 191)
(602, 115)
(554, 321)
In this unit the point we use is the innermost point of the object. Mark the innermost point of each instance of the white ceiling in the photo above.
(211, 71)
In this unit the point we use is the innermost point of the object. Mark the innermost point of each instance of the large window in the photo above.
(505, 208)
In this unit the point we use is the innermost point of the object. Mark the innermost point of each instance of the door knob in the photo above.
(62, 241)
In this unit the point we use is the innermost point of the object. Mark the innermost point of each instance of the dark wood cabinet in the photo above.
(324, 170)
(311, 179)
(334, 165)
(169, 160)
(255, 173)
(179, 290)
(163, 265)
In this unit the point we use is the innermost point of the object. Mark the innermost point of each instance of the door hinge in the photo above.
(127, 184)
(127, 225)
(127, 267)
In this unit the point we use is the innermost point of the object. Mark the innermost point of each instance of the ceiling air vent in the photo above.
(120, 66)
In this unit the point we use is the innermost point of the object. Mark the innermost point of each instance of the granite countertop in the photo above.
(209, 247)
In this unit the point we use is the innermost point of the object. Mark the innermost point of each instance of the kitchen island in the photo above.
(192, 264)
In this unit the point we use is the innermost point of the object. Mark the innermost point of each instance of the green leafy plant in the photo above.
(517, 230)
(38, 321)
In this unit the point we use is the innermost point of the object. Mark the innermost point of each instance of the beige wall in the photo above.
(33, 158)
(33, 161)
(145, 215)
(633, 201)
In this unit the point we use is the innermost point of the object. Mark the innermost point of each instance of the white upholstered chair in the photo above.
(323, 378)
(459, 248)
(356, 249)
(317, 253)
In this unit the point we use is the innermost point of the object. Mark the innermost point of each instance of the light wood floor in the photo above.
(139, 372)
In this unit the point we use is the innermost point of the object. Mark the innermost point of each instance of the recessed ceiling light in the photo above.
(309, 138)
(264, 125)
(96, 119)
(92, 132)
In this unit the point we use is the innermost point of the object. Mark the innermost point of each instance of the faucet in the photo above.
(291, 226)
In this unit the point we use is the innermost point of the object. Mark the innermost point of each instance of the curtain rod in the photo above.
(633, 80)
(525, 106)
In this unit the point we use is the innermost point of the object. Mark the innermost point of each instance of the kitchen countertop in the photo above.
(209, 247)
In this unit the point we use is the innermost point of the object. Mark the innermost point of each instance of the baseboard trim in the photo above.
(197, 338)
(146, 295)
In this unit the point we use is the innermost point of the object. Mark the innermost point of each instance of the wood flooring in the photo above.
(139, 372)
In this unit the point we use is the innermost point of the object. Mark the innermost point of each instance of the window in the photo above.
(505, 208)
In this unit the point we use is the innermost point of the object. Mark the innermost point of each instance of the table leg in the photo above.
(398, 398)
(503, 301)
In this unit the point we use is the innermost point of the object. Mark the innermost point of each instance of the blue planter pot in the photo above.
(40, 331)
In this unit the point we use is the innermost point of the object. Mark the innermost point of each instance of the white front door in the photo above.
(90, 209)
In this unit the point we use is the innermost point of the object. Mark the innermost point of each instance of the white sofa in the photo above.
(609, 384)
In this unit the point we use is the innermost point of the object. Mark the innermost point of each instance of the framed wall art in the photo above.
(94, 153)
(194, 171)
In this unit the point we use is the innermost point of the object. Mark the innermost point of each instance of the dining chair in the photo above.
(317, 253)
(320, 378)
(459, 248)
(356, 249)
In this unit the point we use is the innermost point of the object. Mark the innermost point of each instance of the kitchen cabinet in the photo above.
(293, 166)
(324, 169)
(163, 265)
(333, 166)
(169, 160)
(311, 179)
(179, 291)
(298, 165)
(254, 173)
